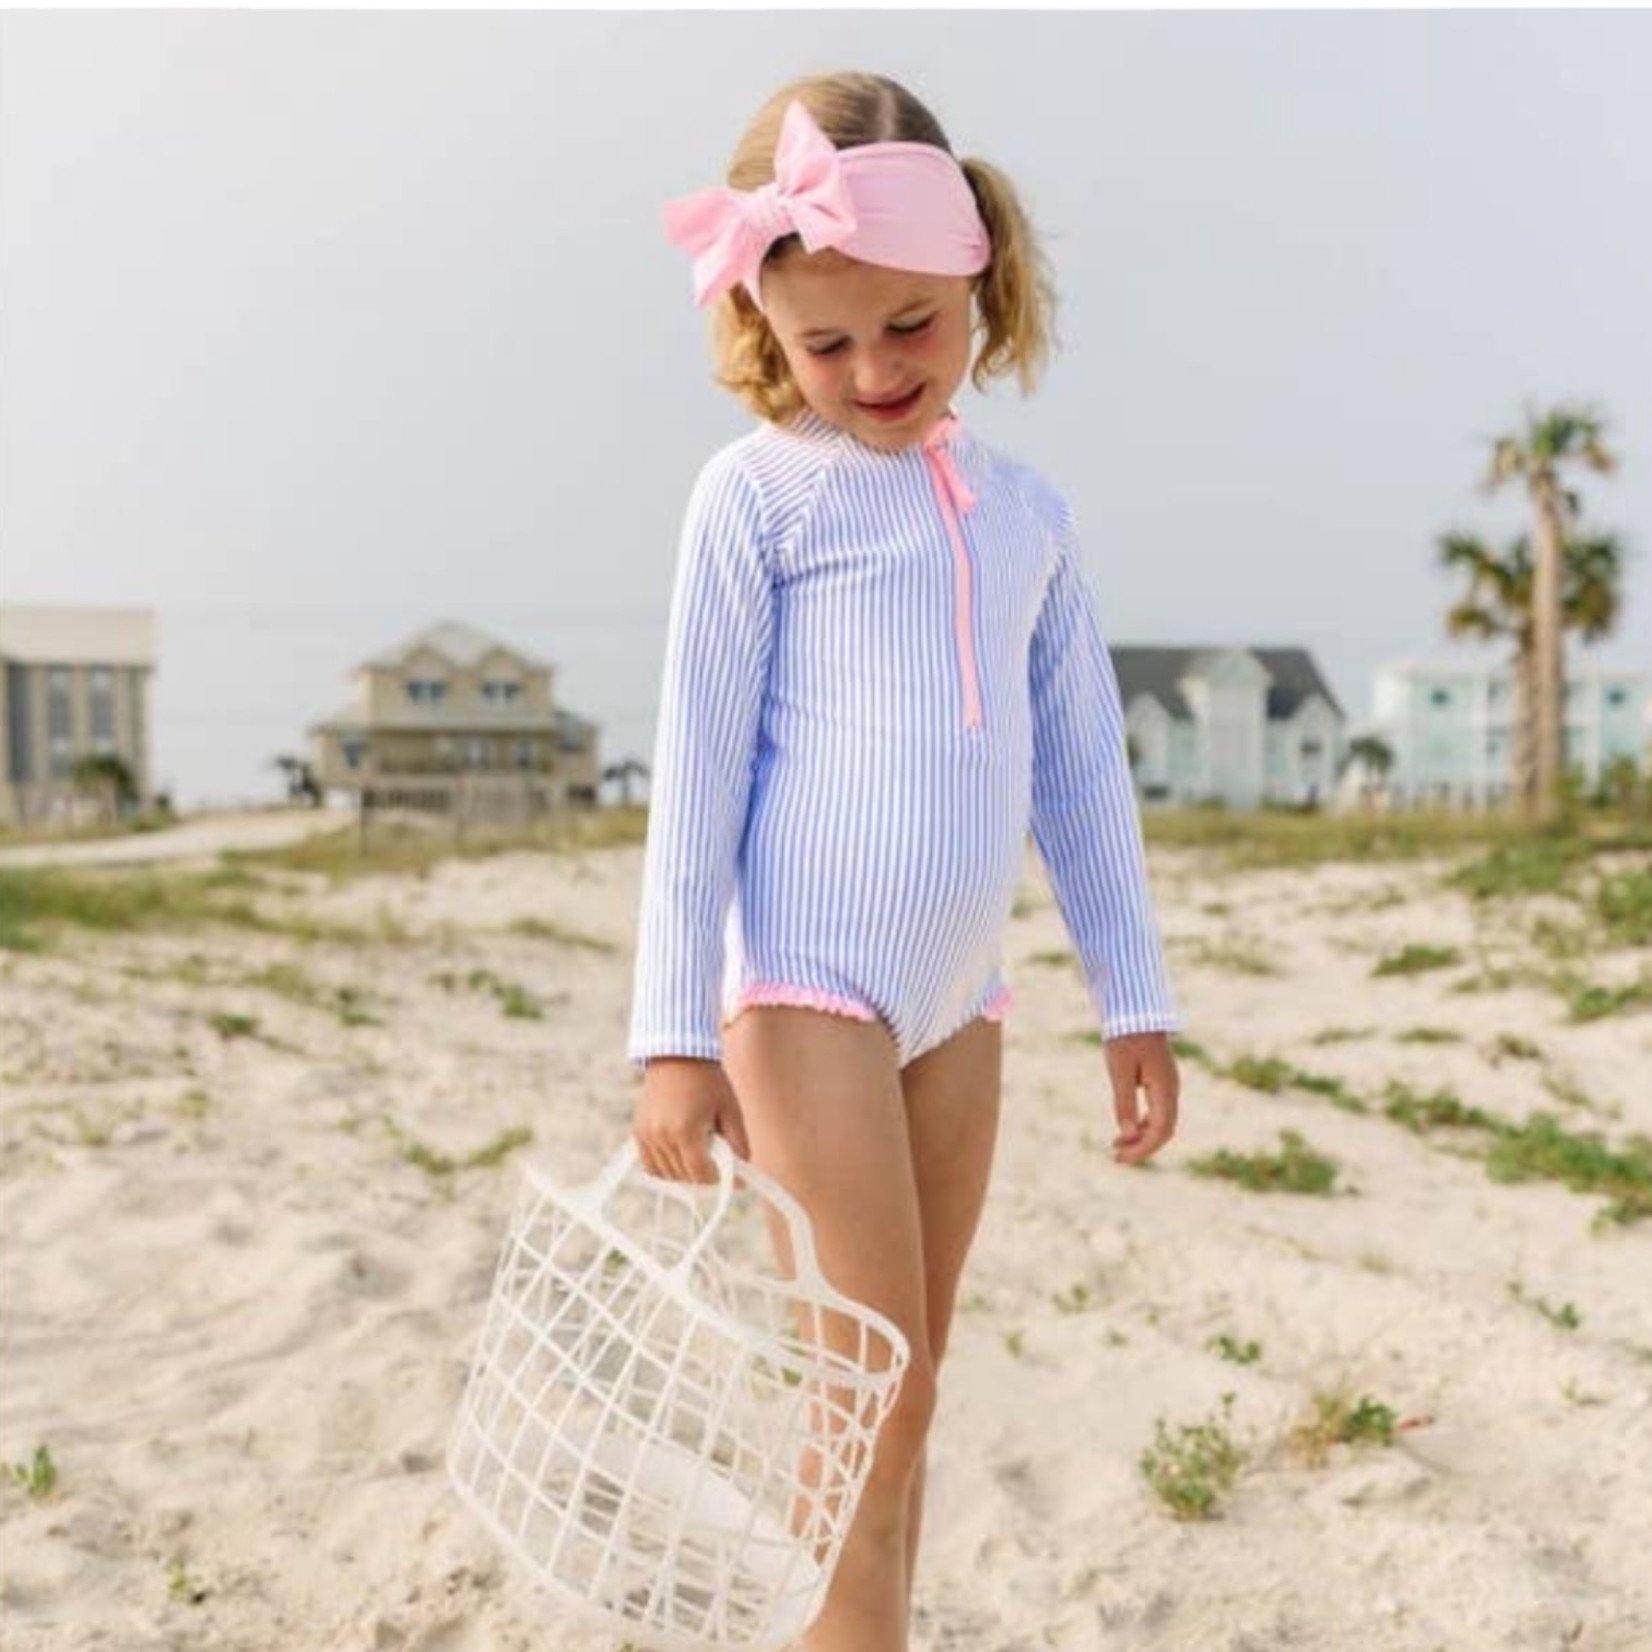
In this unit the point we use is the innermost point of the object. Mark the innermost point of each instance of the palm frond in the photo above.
(1593, 585)
(1469, 619)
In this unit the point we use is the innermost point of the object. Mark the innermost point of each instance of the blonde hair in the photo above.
(1015, 295)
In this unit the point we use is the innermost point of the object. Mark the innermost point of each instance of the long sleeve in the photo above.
(1084, 816)
(718, 643)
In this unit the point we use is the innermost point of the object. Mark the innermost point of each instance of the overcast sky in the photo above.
(316, 328)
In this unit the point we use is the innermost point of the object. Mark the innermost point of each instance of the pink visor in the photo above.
(904, 205)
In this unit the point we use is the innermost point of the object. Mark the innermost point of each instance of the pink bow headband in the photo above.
(904, 205)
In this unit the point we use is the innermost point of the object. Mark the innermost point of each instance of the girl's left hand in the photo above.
(1142, 1060)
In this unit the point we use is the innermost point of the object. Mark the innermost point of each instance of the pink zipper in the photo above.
(953, 495)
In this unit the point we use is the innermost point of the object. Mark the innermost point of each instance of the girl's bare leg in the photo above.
(952, 1105)
(821, 1099)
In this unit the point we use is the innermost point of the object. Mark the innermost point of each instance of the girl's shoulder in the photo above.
(1040, 496)
(773, 455)
(776, 469)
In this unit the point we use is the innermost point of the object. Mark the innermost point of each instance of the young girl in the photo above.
(883, 667)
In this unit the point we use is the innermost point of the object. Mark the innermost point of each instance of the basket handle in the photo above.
(595, 1194)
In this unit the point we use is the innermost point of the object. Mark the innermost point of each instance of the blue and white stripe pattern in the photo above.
(823, 814)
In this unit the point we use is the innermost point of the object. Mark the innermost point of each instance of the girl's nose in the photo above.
(882, 376)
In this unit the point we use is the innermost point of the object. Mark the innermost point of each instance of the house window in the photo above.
(1616, 696)
(426, 691)
(501, 693)
(524, 754)
(475, 752)
(1311, 748)
(352, 752)
(103, 708)
(1439, 697)
(58, 714)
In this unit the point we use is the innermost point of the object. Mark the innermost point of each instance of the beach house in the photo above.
(1450, 726)
(1229, 723)
(74, 684)
(454, 713)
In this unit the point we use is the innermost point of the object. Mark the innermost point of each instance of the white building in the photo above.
(1232, 724)
(1451, 726)
(74, 683)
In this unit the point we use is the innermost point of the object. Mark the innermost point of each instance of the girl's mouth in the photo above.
(888, 412)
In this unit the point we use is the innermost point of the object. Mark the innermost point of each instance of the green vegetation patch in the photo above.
(402, 846)
(1534, 866)
(1271, 1074)
(1592, 1001)
(38, 1477)
(1229, 1347)
(1413, 959)
(35, 901)
(548, 929)
(1544, 1149)
(1564, 1318)
(1623, 903)
(1340, 1418)
(1441, 1110)
(1295, 1168)
(1278, 835)
(1192, 1469)
(436, 1163)
(1541, 1149)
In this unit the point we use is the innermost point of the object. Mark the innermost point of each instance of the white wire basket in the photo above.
(671, 1437)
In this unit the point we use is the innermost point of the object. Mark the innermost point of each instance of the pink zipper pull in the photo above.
(944, 466)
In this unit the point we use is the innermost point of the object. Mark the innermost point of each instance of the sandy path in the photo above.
(190, 840)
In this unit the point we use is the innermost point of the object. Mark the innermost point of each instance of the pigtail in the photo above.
(1015, 293)
(749, 359)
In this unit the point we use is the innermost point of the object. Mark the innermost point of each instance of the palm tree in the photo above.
(624, 771)
(301, 780)
(1376, 756)
(107, 778)
(1499, 604)
(1563, 436)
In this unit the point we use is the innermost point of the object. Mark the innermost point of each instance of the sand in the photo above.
(239, 1315)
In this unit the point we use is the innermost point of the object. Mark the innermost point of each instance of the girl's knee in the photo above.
(906, 1429)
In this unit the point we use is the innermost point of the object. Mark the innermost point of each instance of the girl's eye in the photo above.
(905, 332)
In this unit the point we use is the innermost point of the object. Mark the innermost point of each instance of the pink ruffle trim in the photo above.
(998, 1006)
(807, 998)
(812, 998)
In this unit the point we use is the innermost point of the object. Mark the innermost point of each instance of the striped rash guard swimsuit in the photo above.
(882, 669)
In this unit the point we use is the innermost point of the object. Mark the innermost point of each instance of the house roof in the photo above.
(76, 635)
(463, 645)
(1158, 671)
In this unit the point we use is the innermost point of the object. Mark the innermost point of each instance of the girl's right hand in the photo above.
(684, 1101)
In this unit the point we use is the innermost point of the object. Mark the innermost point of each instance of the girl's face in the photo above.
(857, 335)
